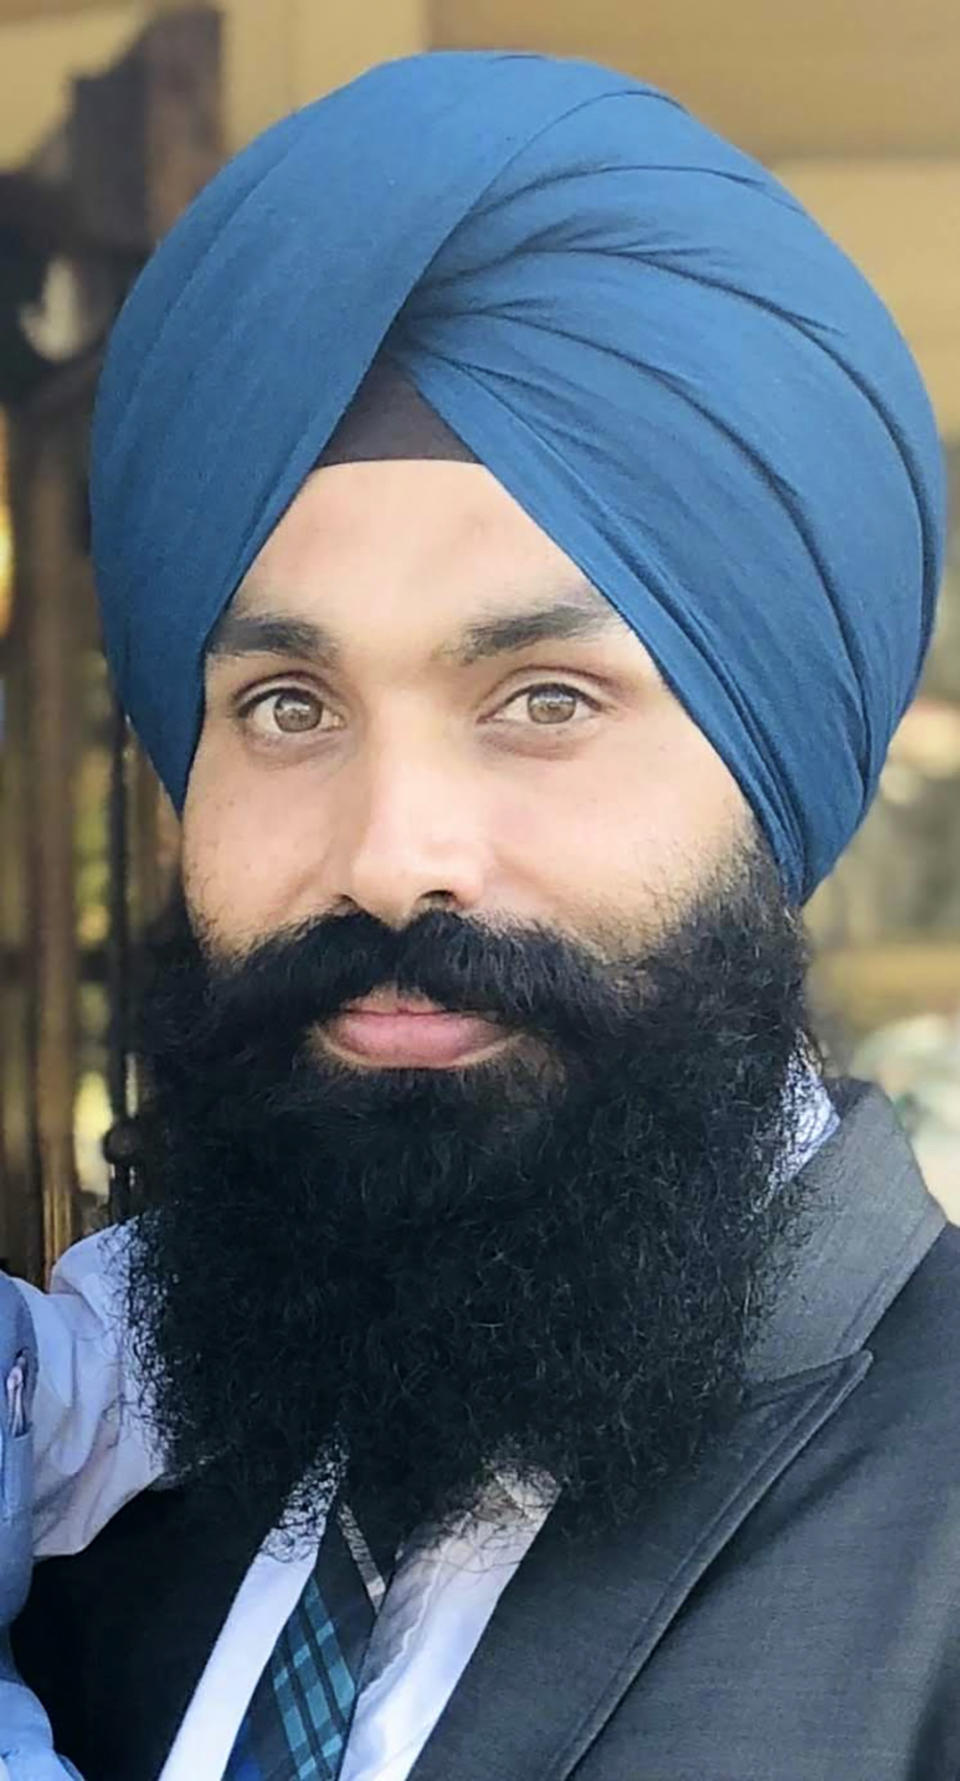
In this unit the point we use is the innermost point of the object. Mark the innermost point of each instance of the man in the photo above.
(518, 531)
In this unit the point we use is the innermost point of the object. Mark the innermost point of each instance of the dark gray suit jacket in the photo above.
(791, 1615)
(795, 1614)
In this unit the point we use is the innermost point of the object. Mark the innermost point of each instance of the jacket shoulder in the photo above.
(916, 1344)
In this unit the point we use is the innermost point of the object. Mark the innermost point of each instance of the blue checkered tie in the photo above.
(297, 1724)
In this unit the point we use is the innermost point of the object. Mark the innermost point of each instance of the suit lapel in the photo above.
(576, 1624)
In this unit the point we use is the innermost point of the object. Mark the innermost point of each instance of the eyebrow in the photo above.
(582, 615)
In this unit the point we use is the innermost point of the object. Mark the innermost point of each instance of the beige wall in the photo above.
(13, 11)
(785, 77)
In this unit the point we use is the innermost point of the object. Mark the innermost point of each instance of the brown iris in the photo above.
(293, 711)
(557, 701)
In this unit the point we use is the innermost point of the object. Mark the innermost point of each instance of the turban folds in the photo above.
(637, 329)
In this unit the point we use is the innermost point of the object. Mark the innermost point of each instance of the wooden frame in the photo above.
(139, 142)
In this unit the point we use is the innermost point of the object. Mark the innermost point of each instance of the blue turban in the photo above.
(634, 326)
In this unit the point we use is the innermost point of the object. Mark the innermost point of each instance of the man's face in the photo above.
(550, 1261)
(392, 723)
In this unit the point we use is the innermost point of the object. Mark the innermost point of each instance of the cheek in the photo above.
(649, 815)
(237, 849)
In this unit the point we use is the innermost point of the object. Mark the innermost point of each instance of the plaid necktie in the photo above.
(297, 1724)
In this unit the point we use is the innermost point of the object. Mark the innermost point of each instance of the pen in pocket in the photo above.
(16, 1395)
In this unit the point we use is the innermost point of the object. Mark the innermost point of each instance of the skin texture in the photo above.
(395, 782)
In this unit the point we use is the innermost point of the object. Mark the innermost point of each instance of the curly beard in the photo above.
(551, 1263)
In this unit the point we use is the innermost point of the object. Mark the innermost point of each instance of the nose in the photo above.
(411, 837)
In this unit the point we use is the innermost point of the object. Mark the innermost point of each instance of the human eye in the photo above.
(554, 700)
(282, 711)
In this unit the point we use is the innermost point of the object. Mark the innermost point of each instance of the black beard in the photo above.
(553, 1262)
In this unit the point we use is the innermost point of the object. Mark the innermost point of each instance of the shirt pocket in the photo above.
(16, 1474)
(16, 1491)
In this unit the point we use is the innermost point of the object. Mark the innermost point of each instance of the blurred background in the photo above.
(111, 118)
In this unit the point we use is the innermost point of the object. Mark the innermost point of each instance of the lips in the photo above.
(400, 1036)
(389, 1001)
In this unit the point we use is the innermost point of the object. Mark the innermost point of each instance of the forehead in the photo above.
(435, 553)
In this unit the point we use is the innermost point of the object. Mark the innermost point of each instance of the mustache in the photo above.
(526, 978)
